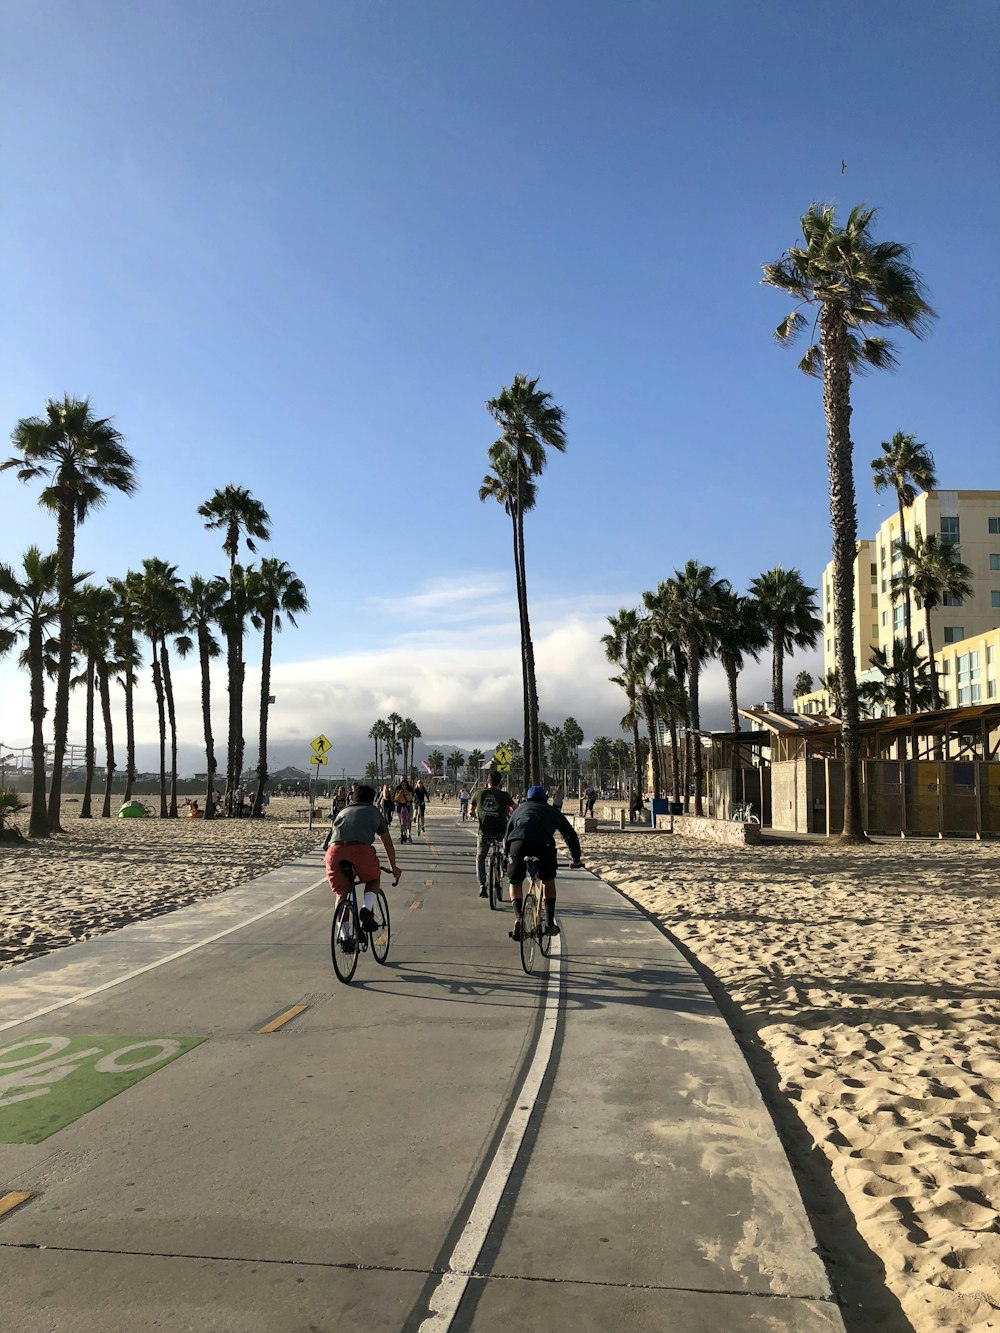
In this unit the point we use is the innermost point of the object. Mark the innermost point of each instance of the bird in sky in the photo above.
(843, 166)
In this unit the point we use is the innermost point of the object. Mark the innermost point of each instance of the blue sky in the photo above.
(296, 248)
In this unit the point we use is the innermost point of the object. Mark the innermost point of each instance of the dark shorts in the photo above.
(545, 855)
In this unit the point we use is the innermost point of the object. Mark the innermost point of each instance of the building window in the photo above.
(885, 617)
(995, 597)
(994, 526)
(881, 556)
(990, 654)
(828, 645)
(874, 573)
(950, 532)
(995, 562)
(991, 689)
(884, 585)
(950, 600)
(898, 614)
(953, 633)
(921, 636)
(946, 667)
(874, 601)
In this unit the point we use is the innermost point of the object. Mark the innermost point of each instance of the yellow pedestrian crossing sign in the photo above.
(318, 759)
(501, 759)
(321, 744)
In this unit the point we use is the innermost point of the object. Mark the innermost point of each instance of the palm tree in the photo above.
(670, 702)
(502, 485)
(624, 760)
(274, 591)
(831, 683)
(904, 466)
(935, 571)
(408, 733)
(474, 764)
(435, 761)
(92, 637)
(377, 733)
(394, 721)
(803, 685)
(856, 284)
(622, 648)
(81, 457)
(30, 607)
(694, 610)
(127, 660)
(573, 734)
(530, 423)
(156, 595)
(739, 634)
(454, 762)
(897, 670)
(600, 759)
(666, 640)
(204, 600)
(235, 512)
(787, 607)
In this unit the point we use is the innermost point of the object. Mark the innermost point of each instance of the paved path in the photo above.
(446, 1143)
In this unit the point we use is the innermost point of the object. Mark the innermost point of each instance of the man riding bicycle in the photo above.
(531, 836)
(419, 805)
(353, 839)
(402, 799)
(492, 807)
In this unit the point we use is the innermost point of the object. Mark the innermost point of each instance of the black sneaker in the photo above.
(515, 934)
(367, 919)
(552, 930)
(346, 945)
(484, 892)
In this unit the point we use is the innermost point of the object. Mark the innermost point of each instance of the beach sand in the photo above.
(871, 976)
(105, 873)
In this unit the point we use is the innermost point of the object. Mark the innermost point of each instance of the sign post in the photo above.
(501, 759)
(320, 747)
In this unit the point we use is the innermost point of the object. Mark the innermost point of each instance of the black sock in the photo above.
(550, 910)
(517, 907)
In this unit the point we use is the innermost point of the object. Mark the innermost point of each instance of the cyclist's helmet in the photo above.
(537, 794)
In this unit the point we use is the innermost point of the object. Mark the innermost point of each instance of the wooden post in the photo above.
(826, 781)
(940, 787)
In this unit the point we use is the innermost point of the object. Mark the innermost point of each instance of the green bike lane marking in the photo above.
(47, 1082)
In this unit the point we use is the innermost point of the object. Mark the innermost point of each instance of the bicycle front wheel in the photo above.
(495, 882)
(529, 930)
(380, 935)
(544, 938)
(344, 941)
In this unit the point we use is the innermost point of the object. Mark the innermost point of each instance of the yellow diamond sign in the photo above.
(321, 744)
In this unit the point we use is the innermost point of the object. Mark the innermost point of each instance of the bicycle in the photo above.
(419, 819)
(534, 927)
(348, 940)
(405, 814)
(494, 873)
(743, 814)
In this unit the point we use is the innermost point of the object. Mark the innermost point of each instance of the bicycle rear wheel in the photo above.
(544, 938)
(495, 881)
(344, 941)
(529, 930)
(380, 935)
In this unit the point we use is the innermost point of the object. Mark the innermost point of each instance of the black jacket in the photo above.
(538, 822)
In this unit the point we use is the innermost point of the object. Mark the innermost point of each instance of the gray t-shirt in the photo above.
(359, 823)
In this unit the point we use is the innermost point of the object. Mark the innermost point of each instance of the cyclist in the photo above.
(492, 807)
(402, 799)
(353, 839)
(463, 800)
(420, 804)
(531, 835)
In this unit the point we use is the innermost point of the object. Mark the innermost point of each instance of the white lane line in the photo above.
(448, 1294)
(160, 962)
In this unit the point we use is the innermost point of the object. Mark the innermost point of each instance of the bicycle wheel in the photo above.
(380, 935)
(495, 881)
(344, 943)
(529, 930)
(544, 939)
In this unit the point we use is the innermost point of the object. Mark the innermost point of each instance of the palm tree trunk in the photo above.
(529, 658)
(844, 522)
(521, 612)
(729, 666)
(109, 744)
(639, 784)
(206, 719)
(168, 691)
(129, 687)
(38, 821)
(778, 668)
(265, 690)
(654, 749)
(911, 681)
(88, 786)
(935, 693)
(162, 724)
(240, 744)
(675, 775)
(65, 543)
(698, 772)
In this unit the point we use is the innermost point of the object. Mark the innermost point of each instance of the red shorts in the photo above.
(363, 858)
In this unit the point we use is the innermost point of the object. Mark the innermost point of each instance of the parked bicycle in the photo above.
(348, 938)
(744, 814)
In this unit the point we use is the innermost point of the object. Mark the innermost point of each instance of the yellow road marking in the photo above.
(434, 865)
(428, 883)
(8, 1202)
(416, 904)
(284, 1018)
(433, 849)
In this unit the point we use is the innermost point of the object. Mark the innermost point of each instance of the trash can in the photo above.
(676, 807)
(657, 807)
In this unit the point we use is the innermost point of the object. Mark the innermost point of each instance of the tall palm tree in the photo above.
(408, 733)
(600, 759)
(275, 591)
(666, 639)
(240, 517)
(394, 722)
(454, 762)
(435, 761)
(694, 608)
(530, 424)
(803, 684)
(30, 608)
(127, 661)
(573, 735)
(81, 458)
(93, 631)
(624, 760)
(670, 702)
(204, 601)
(897, 669)
(740, 633)
(623, 649)
(856, 284)
(473, 764)
(788, 609)
(517, 495)
(935, 570)
(904, 466)
(157, 597)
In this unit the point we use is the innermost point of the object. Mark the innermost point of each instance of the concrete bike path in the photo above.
(319, 1177)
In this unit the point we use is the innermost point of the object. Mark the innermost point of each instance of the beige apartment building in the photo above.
(970, 520)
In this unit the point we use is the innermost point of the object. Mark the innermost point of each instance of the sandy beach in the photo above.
(871, 976)
(104, 873)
